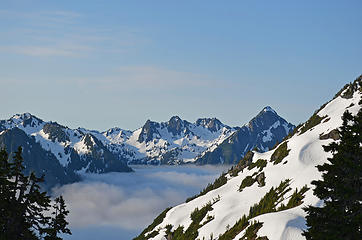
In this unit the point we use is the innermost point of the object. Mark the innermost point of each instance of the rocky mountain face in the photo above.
(62, 153)
(263, 195)
(262, 132)
(36, 158)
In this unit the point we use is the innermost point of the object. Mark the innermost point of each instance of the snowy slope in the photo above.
(305, 152)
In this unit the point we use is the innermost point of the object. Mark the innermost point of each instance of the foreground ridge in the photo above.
(263, 196)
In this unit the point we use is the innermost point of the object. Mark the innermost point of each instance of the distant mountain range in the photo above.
(62, 153)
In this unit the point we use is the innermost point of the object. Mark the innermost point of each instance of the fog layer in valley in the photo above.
(121, 205)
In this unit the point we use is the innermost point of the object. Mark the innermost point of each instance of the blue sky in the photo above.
(100, 64)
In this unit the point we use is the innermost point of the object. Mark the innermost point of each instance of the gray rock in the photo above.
(260, 178)
(334, 134)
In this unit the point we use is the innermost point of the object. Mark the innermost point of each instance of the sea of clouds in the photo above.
(120, 205)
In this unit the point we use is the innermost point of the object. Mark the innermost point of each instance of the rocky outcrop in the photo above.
(334, 134)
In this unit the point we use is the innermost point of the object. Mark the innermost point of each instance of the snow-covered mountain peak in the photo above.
(177, 126)
(176, 140)
(269, 109)
(112, 131)
(262, 132)
(23, 117)
(213, 124)
(175, 119)
(117, 135)
(148, 131)
(171, 142)
(25, 121)
(267, 118)
(63, 151)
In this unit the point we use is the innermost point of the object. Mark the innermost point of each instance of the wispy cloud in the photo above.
(41, 16)
(47, 51)
(61, 33)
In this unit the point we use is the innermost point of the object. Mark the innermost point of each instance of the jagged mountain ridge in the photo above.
(178, 141)
(264, 194)
(57, 151)
(80, 150)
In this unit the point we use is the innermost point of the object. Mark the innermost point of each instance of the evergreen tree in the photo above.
(58, 223)
(340, 187)
(23, 205)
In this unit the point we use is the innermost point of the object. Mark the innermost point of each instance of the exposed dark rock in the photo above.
(56, 132)
(260, 178)
(334, 134)
(213, 124)
(351, 105)
(326, 120)
(148, 130)
(176, 126)
(170, 157)
(246, 160)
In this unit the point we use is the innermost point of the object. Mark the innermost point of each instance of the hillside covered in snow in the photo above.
(62, 153)
(263, 195)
